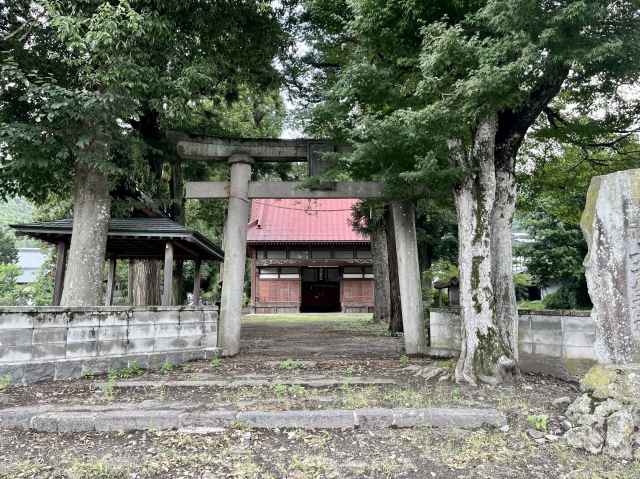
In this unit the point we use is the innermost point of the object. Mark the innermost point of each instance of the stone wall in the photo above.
(45, 343)
(559, 343)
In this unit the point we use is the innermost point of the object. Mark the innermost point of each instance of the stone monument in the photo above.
(611, 225)
(607, 416)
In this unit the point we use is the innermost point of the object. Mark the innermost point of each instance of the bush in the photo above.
(564, 298)
(9, 289)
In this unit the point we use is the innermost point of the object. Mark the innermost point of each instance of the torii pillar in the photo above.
(404, 227)
(235, 255)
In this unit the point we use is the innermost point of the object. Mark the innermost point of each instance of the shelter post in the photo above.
(61, 260)
(409, 277)
(235, 248)
(167, 292)
(111, 277)
(196, 282)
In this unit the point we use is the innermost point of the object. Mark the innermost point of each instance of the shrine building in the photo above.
(306, 257)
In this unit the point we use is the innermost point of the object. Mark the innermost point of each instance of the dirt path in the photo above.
(317, 336)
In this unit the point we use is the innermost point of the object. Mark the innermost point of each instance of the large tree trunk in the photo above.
(502, 255)
(382, 293)
(395, 321)
(144, 282)
(486, 354)
(91, 216)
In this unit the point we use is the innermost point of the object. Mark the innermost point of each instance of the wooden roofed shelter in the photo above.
(129, 239)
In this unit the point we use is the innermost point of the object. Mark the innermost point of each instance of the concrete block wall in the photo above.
(558, 343)
(43, 343)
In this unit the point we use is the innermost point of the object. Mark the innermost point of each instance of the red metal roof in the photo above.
(302, 221)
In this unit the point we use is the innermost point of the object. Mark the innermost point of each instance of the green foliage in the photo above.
(404, 360)
(564, 298)
(551, 200)
(167, 367)
(290, 364)
(216, 362)
(88, 81)
(8, 250)
(9, 291)
(98, 470)
(5, 382)
(539, 422)
(280, 390)
(401, 78)
(134, 369)
(109, 388)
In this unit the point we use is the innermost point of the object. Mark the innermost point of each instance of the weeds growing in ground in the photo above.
(290, 364)
(109, 388)
(5, 382)
(539, 422)
(167, 367)
(134, 369)
(216, 362)
(404, 360)
(97, 470)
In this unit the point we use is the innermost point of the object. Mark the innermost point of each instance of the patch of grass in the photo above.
(404, 360)
(247, 469)
(97, 470)
(24, 470)
(358, 398)
(446, 363)
(167, 367)
(280, 389)
(531, 305)
(479, 447)
(294, 390)
(290, 364)
(455, 394)
(588, 466)
(539, 422)
(216, 362)
(309, 467)
(5, 382)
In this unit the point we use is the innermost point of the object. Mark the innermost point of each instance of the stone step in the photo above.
(195, 417)
(311, 382)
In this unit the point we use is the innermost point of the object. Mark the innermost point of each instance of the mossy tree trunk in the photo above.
(486, 354)
(91, 216)
(504, 290)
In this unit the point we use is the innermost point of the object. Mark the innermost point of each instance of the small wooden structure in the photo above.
(132, 238)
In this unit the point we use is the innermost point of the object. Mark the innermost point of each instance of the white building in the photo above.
(30, 260)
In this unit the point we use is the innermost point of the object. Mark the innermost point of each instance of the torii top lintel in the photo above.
(220, 149)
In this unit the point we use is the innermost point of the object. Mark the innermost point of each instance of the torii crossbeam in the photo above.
(241, 154)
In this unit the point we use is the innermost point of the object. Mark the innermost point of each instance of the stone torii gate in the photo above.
(241, 155)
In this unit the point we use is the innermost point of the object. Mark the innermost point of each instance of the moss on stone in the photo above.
(598, 381)
(589, 212)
